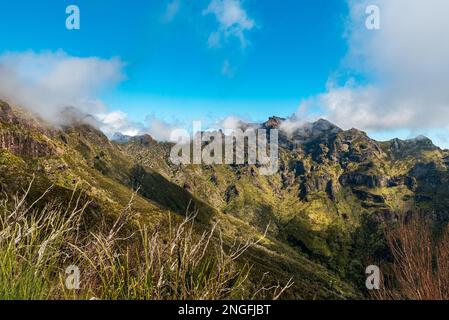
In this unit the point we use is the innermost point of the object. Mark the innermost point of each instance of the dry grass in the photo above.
(119, 260)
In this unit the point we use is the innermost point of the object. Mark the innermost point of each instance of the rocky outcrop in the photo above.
(430, 177)
(23, 135)
(297, 167)
(331, 189)
(400, 149)
(24, 145)
(410, 182)
(318, 183)
(353, 179)
(368, 197)
(273, 123)
(6, 114)
(120, 138)
(231, 192)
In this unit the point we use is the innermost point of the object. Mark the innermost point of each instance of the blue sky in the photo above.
(183, 60)
(170, 67)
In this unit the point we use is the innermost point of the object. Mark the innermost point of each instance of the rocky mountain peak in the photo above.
(411, 147)
(273, 122)
(421, 140)
(145, 139)
(324, 125)
(318, 130)
(120, 138)
(6, 113)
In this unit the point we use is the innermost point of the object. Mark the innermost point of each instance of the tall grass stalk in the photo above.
(124, 259)
(32, 242)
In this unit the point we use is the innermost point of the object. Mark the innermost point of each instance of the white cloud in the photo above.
(171, 11)
(118, 121)
(214, 40)
(55, 85)
(227, 70)
(46, 83)
(232, 19)
(406, 66)
(298, 120)
(230, 123)
(159, 129)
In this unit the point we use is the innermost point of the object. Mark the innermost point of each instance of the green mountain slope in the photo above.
(331, 191)
(322, 208)
(78, 156)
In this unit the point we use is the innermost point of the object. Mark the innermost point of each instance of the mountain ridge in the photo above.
(324, 206)
(86, 160)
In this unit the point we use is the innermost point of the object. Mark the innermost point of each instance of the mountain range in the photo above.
(322, 211)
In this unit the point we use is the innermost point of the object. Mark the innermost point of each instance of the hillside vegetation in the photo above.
(315, 224)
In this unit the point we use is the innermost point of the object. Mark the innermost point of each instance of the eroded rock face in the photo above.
(361, 179)
(400, 149)
(23, 136)
(430, 178)
(273, 123)
(410, 182)
(19, 117)
(318, 183)
(297, 167)
(369, 197)
(6, 114)
(25, 145)
(355, 146)
(331, 189)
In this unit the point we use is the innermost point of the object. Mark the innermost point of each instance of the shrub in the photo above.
(420, 261)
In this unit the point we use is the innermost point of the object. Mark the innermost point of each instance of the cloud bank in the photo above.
(47, 83)
(118, 121)
(404, 67)
(54, 85)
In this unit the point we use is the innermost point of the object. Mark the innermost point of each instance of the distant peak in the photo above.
(71, 116)
(274, 122)
(144, 139)
(324, 124)
(402, 148)
(420, 138)
(120, 138)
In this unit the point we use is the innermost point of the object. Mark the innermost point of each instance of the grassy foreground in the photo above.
(46, 254)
